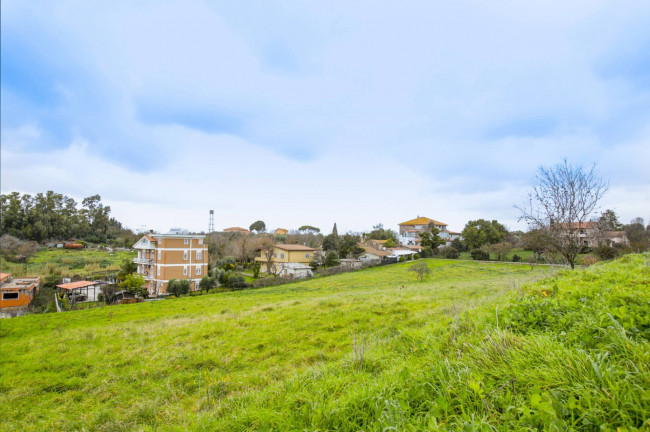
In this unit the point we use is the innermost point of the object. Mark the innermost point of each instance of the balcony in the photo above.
(143, 260)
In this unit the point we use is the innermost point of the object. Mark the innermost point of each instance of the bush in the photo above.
(402, 258)
(450, 252)
(256, 269)
(427, 252)
(516, 258)
(314, 265)
(480, 255)
(605, 252)
(332, 260)
(416, 256)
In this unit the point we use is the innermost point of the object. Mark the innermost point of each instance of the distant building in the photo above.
(281, 231)
(162, 257)
(16, 294)
(409, 231)
(287, 259)
(590, 235)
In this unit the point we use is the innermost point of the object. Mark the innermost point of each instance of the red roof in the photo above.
(79, 284)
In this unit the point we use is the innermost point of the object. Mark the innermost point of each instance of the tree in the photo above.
(331, 243)
(309, 229)
(421, 270)
(134, 284)
(178, 287)
(207, 283)
(108, 293)
(639, 236)
(500, 249)
(267, 251)
(432, 239)
(563, 199)
(332, 260)
(349, 245)
(481, 232)
(609, 221)
(380, 233)
(258, 226)
(128, 267)
(536, 241)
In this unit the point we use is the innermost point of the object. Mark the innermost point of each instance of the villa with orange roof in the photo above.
(409, 231)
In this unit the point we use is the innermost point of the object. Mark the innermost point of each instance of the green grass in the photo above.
(69, 263)
(475, 347)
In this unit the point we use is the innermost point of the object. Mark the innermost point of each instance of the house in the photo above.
(373, 255)
(16, 294)
(286, 259)
(162, 257)
(281, 231)
(409, 231)
(237, 229)
(588, 234)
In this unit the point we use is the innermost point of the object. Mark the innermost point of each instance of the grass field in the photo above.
(69, 263)
(477, 346)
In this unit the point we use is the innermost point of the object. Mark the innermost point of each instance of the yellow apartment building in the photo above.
(162, 257)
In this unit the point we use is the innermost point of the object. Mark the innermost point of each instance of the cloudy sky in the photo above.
(320, 112)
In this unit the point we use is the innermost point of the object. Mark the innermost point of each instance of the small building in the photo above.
(281, 231)
(16, 294)
(351, 264)
(295, 270)
(284, 254)
(373, 256)
(81, 291)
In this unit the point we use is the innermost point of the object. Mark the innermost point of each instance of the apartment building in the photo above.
(162, 257)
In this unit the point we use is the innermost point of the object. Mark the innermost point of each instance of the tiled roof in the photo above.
(374, 251)
(294, 247)
(422, 221)
(151, 239)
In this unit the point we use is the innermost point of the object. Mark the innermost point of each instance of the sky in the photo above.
(311, 113)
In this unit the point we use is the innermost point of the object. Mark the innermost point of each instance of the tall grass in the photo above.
(368, 350)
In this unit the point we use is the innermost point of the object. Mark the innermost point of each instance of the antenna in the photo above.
(211, 225)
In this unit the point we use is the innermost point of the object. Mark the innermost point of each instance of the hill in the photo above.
(477, 346)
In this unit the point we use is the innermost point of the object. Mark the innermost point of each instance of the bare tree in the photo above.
(563, 199)
(267, 251)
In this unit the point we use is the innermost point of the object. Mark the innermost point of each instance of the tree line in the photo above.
(54, 216)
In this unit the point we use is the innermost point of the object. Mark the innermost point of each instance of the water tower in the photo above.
(211, 225)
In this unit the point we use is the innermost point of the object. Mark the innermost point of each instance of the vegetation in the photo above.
(380, 233)
(564, 198)
(69, 263)
(474, 347)
(258, 226)
(133, 283)
(421, 270)
(481, 232)
(178, 287)
(55, 216)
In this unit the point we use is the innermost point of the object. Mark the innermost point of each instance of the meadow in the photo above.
(476, 346)
(69, 263)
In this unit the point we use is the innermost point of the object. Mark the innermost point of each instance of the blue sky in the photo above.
(297, 113)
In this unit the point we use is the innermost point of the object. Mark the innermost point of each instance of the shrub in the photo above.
(427, 252)
(605, 252)
(332, 260)
(589, 260)
(402, 258)
(416, 256)
(480, 255)
(314, 265)
(516, 258)
(256, 269)
(450, 252)
(421, 270)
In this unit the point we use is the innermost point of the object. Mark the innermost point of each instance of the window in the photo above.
(158, 271)
(185, 255)
(187, 241)
(198, 270)
(275, 255)
(200, 241)
(198, 255)
(184, 270)
(159, 254)
(10, 296)
(306, 255)
(281, 255)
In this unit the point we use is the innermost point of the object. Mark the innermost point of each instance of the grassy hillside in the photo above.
(81, 262)
(469, 348)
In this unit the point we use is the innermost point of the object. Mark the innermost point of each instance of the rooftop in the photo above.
(18, 283)
(75, 285)
(422, 221)
(294, 247)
